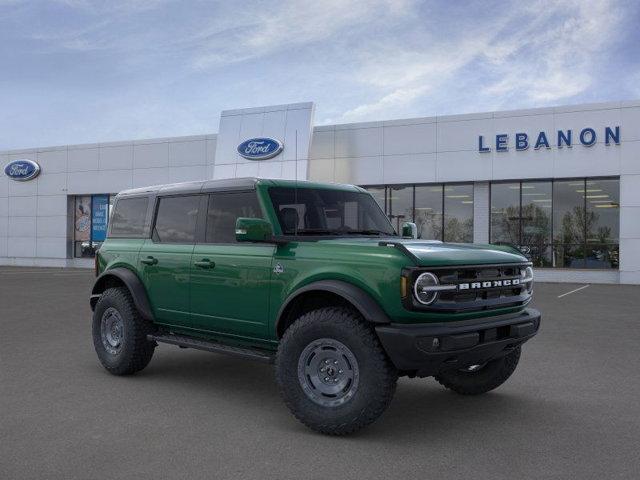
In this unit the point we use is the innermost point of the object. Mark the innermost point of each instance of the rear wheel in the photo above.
(478, 379)
(332, 371)
(120, 333)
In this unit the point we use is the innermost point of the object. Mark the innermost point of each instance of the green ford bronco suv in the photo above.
(314, 278)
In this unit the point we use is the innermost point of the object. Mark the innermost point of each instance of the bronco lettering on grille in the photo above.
(509, 282)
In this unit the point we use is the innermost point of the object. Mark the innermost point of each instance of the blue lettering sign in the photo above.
(481, 147)
(592, 137)
(564, 138)
(587, 137)
(501, 142)
(522, 141)
(612, 135)
(542, 141)
(99, 217)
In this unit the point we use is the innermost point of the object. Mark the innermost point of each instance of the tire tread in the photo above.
(142, 349)
(386, 374)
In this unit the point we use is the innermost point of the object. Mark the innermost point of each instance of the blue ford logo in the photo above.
(260, 148)
(22, 170)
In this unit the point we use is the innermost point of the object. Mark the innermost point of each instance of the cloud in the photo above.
(541, 53)
(125, 69)
(287, 25)
(555, 63)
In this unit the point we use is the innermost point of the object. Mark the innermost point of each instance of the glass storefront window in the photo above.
(569, 223)
(428, 211)
(400, 201)
(458, 213)
(505, 213)
(91, 218)
(603, 223)
(564, 223)
(441, 212)
(536, 212)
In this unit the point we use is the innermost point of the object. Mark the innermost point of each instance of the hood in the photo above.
(432, 253)
(436, 254)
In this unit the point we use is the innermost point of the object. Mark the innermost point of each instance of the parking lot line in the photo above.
(573, 291)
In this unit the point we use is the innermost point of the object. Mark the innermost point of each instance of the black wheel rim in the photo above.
(111, 330)
(328, 372)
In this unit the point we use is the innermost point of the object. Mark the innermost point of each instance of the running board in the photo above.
(209, 346)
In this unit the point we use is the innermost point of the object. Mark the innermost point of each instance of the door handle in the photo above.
(149, 260)
(204, 263)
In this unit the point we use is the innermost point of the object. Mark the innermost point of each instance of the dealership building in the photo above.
(560, 183)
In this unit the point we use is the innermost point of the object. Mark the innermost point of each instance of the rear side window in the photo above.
(176, 219)
(224, 209)
(128, 217)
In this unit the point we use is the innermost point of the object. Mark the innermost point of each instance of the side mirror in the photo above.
(253, 230)
(409, 229)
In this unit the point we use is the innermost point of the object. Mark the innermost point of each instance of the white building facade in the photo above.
(562, 184)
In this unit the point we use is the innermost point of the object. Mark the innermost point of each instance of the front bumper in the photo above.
(427, 349)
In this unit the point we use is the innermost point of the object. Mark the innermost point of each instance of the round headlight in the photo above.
(421, 288)
(526, 275)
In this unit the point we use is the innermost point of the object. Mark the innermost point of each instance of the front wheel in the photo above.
(478, 379)
(332, 372)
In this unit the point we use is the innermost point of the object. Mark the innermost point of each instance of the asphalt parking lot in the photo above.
(571, 410)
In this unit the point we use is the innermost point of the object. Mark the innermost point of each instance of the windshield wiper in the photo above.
(323, 231)
(315, 231)
(368, 232)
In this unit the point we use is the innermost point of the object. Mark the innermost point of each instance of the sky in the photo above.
(80, 71)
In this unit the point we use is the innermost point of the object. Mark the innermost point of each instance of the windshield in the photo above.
(316, 211)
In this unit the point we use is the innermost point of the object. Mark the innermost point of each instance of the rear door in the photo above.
(165, 258)
(230, 280)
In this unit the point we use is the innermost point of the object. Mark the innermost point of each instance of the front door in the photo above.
(230, 281)
(165, 259)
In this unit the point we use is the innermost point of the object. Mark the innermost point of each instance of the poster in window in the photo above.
(99, 217)
(82, 229)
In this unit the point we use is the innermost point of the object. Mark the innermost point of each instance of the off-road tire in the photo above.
(376, 380)
(135, 351)
(485, 379)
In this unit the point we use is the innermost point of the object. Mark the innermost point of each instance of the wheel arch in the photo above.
(123, 277)
(325, 293)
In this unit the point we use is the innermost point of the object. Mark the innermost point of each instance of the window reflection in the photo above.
(428, 212)
(400, 205)
(505, 213)
(603, 223)
(441, 212)
(536, 221)
(564, 223)
(458, 213)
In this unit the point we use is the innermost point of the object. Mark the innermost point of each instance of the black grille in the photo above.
(480, 298)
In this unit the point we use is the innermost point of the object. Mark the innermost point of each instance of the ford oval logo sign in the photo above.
(260, 148)
(22, 170)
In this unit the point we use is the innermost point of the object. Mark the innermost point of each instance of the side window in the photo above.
(224, 209)
(176, 219)
(127, 219)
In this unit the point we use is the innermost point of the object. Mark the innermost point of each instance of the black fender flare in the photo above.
(361, 300)
(133, 284)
